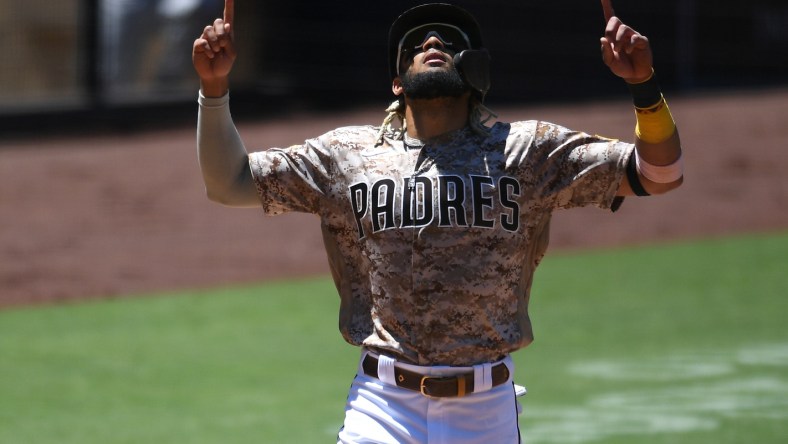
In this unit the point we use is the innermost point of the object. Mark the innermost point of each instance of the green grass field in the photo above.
(681, 343)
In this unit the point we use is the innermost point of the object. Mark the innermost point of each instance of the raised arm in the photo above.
(658, 157)
(224, 162)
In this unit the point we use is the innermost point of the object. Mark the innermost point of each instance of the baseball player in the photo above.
(433, 228)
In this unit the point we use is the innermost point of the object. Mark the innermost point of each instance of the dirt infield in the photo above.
(126, 214)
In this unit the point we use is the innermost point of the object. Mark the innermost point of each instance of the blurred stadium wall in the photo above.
(107, 59)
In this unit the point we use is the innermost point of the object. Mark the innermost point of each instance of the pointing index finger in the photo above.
(607, 8)
(229, 11)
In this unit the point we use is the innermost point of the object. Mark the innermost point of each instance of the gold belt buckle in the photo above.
(422, 386)
(460, 384)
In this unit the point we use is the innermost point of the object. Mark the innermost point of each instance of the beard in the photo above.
(433, 84)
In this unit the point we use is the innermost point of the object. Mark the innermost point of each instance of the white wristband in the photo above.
(660, 174)
(213, 102)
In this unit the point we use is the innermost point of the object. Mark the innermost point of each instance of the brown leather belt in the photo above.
(435, 386)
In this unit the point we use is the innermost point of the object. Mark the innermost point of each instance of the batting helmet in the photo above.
(472, 60)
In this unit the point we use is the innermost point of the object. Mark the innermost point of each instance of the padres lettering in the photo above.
(413, 202)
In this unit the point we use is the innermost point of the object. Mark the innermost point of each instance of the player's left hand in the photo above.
(625, 51)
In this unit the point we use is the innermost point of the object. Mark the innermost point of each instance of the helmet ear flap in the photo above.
(474, 68)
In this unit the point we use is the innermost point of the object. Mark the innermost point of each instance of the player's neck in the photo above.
(431, 118)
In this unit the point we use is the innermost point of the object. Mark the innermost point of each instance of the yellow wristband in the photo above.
(654, 124)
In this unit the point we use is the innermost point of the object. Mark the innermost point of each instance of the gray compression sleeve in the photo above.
(223, 159)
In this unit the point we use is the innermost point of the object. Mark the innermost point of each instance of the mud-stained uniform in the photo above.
(433, 244)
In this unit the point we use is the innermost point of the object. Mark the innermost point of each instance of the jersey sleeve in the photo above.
(579, 169)
(294, 178)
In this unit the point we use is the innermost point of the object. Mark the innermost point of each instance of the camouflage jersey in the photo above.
(433, 245)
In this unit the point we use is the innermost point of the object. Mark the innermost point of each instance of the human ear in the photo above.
(396, 86)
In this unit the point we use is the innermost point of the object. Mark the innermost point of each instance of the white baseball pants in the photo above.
(380, 412)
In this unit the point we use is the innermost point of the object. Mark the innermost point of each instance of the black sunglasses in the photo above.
(452, 38)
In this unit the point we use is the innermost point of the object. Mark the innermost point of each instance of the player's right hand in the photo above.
(213, 53)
